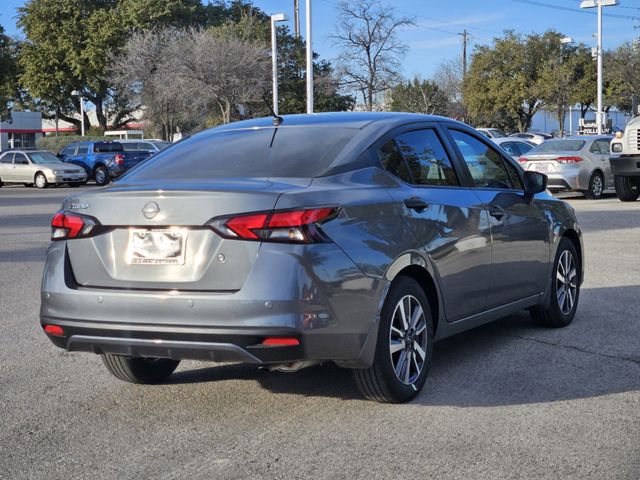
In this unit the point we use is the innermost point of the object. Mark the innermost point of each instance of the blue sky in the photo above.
(435, 37)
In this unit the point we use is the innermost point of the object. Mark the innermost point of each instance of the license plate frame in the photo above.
(156, 246)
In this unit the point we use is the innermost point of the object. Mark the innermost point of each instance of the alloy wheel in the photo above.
(100, 176)
(408, 339)
(566, 282)
(596, 186)
(41, 181)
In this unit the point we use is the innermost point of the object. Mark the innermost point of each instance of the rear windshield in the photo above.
(302, 152)
(559, 146)
(103, 147)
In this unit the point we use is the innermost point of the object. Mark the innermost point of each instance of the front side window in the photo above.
(83, 149)
(70, 150)
(485, 164)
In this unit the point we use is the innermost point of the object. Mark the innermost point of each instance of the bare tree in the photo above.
(448, 77)
(224, 69)
(187, 79)
(371, 52)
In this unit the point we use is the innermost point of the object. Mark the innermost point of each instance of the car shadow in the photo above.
(509, 362)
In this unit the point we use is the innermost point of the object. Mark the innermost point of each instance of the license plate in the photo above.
(540, 167)
(156, 247)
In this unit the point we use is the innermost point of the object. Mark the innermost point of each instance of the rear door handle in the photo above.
(416, 203)
(497, 212)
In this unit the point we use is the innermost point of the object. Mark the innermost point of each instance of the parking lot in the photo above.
(507, 400)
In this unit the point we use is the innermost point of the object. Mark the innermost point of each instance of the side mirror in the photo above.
(534, 182)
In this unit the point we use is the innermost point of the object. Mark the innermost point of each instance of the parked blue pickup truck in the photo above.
(102, 160)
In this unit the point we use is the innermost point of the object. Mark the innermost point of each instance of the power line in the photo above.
(575, 10)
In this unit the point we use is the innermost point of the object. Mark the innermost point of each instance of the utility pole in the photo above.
(309, 60)
(600, 116)
(296, 18)
(465, 40)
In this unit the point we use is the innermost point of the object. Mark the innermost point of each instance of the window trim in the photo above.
(469, 178)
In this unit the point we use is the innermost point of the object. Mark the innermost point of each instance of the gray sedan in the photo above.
(574, 163)
(355, 238)
(38, 167)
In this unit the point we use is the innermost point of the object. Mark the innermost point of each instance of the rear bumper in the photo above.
(329, 306)
(625, 165)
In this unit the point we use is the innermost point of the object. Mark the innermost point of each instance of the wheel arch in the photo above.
(574, 238)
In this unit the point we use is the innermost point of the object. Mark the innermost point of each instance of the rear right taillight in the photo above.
(286, 226)
(65, 225)
(119, 159)
(568, 159)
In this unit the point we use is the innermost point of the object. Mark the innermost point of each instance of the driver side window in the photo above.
(485, 164)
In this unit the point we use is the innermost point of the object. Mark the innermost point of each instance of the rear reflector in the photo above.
(281, 342)
(54, 330)
(289, 226)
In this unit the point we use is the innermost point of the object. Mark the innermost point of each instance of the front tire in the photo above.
(596, 187)
(101, 176)
(139, 369)
(565, 288)
(40, 181)
(627, 188)
(404, 346)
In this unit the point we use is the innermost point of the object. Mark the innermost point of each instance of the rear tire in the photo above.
(139, 369)
(596, 187)
(565, 289)
(627, 188)
(40, 181)
(404, 346)
(101, 176)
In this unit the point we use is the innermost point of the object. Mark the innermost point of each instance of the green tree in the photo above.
(622, 75)
(69, 45)
(8, 74)
(419, 97)
(502, 87)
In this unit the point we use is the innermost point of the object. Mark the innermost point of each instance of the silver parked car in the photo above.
(356, 238)
(491, 132)
(574, 163)
(514, 147)
(38, 167)
(536, 138)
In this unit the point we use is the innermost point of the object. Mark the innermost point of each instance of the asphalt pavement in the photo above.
(507, 400)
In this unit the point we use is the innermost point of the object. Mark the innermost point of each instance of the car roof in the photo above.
(357, 120)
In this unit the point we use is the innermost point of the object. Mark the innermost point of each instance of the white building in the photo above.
(21, 131)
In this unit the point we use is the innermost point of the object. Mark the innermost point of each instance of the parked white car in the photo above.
(536, 138)
(40, 168)
(491, 132)
(514, 147)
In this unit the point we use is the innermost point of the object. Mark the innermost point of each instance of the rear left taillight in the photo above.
(119, 159)
(289, 226)
(523, 160)
(66, 225)
(568, 159)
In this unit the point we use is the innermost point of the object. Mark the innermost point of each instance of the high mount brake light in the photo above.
(568, 159)
(289, 226)
(66, 225)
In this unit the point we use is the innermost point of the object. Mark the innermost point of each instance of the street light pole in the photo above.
(309, 61)
(278, 17)
(599, 4)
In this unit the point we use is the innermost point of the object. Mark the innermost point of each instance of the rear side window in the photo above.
(302, 152)
(423, 158)
(485, 164)
(106, 147)
(604, 145)
(7, 158)
(131, 146)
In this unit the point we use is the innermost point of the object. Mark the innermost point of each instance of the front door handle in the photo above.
(497, 212)
(416, 203)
